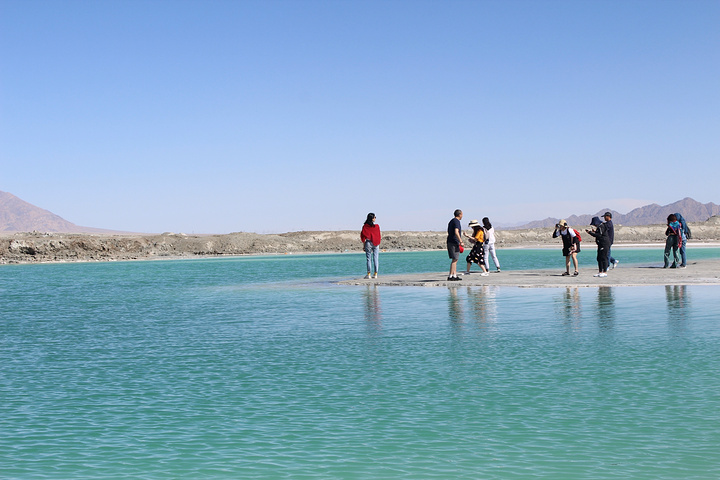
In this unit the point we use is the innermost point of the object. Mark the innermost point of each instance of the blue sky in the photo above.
(274, 116)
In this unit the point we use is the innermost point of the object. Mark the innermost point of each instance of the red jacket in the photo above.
(371, 233)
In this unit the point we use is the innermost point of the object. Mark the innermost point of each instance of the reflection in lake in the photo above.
(678, 303)
(373, 311)
(483, 304)
(456, 312)
(569, 307)
(472, 306)
(605, 308)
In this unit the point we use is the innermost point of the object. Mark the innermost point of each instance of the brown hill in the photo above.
(17, 215)
(653, 214)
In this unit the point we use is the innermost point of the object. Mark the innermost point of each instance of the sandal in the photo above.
(576, 273)
(565, 274)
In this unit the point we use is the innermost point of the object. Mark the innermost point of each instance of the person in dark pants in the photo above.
(603, 244)
(612, 263)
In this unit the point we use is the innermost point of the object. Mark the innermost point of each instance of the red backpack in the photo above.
(577, 234)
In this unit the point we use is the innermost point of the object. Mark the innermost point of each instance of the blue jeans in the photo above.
(682, 253)
(611, 260)
(372, 254)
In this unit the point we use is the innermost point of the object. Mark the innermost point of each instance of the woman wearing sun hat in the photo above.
(477, 254)
(571, 245)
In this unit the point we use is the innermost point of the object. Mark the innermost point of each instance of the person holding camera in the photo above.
(571, 245)
(602, 238)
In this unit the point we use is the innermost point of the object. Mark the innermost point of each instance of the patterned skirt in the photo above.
(477, 254)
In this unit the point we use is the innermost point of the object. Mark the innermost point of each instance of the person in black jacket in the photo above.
(612, 263)
(602, 238)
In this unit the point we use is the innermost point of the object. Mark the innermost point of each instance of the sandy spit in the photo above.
(701, 272)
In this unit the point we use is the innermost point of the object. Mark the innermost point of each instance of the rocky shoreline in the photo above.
(36, 247)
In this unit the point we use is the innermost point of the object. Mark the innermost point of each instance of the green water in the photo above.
(262, 368)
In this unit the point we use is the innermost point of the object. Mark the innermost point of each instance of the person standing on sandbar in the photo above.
(603, 244)
(612, 263)
(490, 244)
(370, 236)
(454, 244)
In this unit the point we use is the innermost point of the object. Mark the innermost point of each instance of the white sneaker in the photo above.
(615, 264)
(600, 275)
(484, 274)
(367, 276)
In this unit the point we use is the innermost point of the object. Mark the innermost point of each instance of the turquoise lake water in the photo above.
(262, 368)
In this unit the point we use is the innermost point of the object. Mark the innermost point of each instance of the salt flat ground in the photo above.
(700, 272)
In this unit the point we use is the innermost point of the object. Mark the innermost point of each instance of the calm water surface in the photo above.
(261, 368)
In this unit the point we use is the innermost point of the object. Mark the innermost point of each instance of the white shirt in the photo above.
(489, 235)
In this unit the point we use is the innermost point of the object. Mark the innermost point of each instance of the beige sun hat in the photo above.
(473, 223)
(563, 223)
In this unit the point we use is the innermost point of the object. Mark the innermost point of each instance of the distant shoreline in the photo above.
(36, 247)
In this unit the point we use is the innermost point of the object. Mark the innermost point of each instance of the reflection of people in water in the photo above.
(570, 307)
(457, 315)
(676, 296)
(373, 312)
(678, 303)
(606, 308)
(482, 301)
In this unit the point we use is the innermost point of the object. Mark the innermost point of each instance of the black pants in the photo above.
(602, 256)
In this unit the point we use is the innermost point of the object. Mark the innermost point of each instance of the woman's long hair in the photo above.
(370, 219)
(486, 223)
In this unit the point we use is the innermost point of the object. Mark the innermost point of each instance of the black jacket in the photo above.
(601, 234)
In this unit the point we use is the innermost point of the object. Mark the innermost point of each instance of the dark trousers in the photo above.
(602, 256)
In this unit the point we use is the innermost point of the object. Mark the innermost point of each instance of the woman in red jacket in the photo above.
(370, 236)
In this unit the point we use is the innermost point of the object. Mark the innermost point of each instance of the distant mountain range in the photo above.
(692, 210)
(17, 215)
